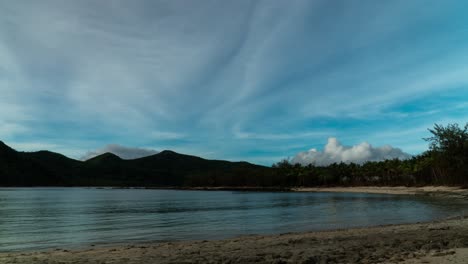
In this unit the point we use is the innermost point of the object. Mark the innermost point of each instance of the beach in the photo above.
(444, 241)
(397, 190)
(442, 191)
(436, 242)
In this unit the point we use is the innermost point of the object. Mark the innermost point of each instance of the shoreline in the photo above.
(396, 190)
(443, 241)
(452, 192)
(439, 241)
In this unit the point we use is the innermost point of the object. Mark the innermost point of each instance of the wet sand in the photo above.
(398, 190)
(435, 242)
(450, 191)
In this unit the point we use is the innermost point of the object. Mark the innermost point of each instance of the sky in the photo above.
(238, 80)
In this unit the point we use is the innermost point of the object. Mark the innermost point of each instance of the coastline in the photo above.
(395, 190)
(443, 241)
(454, 192)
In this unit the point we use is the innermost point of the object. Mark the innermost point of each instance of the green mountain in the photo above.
(167, 168)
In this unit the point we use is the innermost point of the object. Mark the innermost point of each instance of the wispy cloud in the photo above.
(162, 135)
(31, 146)
(235, 78)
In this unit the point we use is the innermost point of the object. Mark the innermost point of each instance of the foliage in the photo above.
(445, 163)
(448, 148)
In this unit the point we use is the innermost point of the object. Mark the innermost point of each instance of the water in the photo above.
(47, 218)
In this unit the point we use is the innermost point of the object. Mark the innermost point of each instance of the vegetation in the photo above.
(445, 163)
(165, 169)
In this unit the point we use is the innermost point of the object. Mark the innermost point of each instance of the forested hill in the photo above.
(445, 163)
(167, 168)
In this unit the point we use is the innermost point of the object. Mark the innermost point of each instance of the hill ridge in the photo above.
(166, 168)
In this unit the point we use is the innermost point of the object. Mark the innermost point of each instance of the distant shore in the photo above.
(435, 242)
(397, 190)
(449, 191)
(455, 191)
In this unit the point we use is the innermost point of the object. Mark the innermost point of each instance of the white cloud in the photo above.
(334, 151)
(121, 151)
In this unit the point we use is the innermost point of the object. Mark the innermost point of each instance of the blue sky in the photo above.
(237, 80)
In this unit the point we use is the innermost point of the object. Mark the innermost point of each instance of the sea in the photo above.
(34, 219)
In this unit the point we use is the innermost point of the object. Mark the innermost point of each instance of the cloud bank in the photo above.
(121, 151)
(334, 151)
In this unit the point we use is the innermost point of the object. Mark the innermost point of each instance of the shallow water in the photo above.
(46, 218)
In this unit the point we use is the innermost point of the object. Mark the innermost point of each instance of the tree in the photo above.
(448, 148)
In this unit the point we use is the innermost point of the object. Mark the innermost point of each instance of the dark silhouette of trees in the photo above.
(445, 163)
(448, 153)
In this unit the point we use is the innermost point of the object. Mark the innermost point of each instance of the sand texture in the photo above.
(436, 242)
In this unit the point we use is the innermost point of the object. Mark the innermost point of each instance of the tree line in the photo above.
(444, 163)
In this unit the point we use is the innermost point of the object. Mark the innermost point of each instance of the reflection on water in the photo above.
(44, 218)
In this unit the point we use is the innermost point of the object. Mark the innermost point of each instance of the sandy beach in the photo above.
(439, 191)
(435, 242)
(397, 190)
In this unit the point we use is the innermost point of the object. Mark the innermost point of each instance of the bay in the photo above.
(48, 218)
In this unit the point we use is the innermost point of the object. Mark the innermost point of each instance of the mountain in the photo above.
(167, 168)
(106, 158)
(25, 169)
(4, 149)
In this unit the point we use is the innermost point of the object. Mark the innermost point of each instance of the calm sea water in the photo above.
(46, 218)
